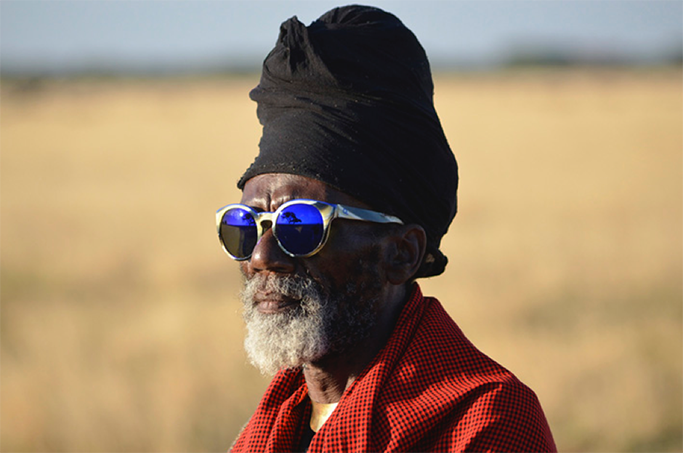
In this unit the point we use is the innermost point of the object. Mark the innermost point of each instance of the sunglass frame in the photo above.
(328, 212)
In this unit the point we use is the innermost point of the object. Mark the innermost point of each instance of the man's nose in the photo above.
(268, 256)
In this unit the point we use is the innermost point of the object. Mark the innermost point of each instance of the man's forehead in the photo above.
(270, 190)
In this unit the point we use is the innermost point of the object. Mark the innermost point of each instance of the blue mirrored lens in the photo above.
(238, 232)
(299, 228)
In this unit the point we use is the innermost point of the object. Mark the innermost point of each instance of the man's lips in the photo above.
(273, 303)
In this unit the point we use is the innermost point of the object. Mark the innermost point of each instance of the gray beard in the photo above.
(323, 323)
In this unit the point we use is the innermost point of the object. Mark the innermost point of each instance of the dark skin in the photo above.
(399, 255)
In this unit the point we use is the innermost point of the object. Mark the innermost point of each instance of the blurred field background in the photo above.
(120, 321)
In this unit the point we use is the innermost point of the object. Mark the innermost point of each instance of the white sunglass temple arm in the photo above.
(352, 213)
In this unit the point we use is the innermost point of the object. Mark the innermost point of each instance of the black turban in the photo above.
(349, 101)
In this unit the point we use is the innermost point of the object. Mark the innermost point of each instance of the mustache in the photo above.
(290, 286)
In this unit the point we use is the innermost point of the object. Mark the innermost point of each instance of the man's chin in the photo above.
(282, 338)
(269, 365)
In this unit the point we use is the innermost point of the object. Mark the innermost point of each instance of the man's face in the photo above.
(301, 310)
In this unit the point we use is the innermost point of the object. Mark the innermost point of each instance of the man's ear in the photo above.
(404, 252)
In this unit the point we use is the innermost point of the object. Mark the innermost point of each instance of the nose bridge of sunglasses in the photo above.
(265, 220)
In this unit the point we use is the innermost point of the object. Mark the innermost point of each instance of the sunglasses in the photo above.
(301, 227)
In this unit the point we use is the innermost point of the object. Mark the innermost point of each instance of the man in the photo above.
(342, 210)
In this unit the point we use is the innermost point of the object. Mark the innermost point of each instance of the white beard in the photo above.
(320, 324)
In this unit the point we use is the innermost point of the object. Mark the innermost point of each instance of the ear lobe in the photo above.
(405, 252)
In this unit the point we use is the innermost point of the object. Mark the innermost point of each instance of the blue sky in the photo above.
(59, 35)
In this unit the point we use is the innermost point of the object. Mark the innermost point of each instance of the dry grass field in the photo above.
(119, 317)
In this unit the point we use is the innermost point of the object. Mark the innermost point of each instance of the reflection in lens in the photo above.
(238, 232)
(299, 228)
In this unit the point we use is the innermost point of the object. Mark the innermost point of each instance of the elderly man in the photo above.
(342, 210)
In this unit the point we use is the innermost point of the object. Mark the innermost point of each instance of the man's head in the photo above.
(348, 118)
(302, 310)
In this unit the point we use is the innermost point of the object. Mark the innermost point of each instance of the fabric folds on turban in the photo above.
(348, 101)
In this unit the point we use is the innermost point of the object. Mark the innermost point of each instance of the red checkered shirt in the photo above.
(429, 389)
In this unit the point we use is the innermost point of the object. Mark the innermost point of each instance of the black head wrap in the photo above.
(349, 101)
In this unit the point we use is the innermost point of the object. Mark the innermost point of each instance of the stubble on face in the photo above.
(324, 320)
